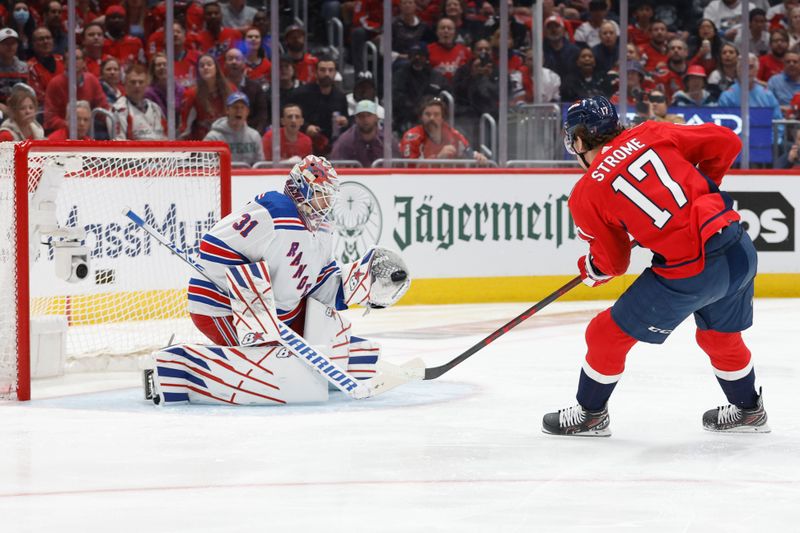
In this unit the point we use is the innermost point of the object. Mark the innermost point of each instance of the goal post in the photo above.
(78, 280)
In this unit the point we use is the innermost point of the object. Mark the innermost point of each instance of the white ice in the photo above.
(461, 453)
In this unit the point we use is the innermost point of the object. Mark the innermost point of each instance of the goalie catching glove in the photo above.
(377, 280)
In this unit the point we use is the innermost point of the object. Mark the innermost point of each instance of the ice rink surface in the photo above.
(461, 453)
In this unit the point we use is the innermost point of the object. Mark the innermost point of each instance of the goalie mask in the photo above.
(313, 186)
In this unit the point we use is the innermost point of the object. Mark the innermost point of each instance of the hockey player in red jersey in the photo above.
(659, 184)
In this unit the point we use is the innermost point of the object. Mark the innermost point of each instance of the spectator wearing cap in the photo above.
(57, 95)
(695, 92)
(412, 82)
(215, 39)
(759, 36)
(51, 19)
(305, 65)
(586, 79)
(21, 122)
(257, 67)
(589, 31)
(294, 144)
(367, 25)
(12, 69)
(235, 67)
(446, 56)
(772, 62)
(324, 106)
(606, 52)
(244, 141)
(655, 53)
(671, 80)
(363, 141)
(434, 138)
(559, 53)
(407, 29)
(204, 102)
(364, 89)
(237, 15)
(138, 119)
(44, 65)
(118, 42)
(785, 84)
(83, 121)
(22, 22)
(637, 84)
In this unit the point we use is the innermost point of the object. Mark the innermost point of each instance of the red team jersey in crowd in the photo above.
(657, 182)
(416, 144)
(128, 49)
(447, 60)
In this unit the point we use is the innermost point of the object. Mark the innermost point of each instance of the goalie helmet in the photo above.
(313, 186)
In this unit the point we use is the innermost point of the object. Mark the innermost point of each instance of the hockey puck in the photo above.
(399, 275)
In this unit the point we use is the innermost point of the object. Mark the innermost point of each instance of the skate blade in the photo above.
(594, 433)
(744, 429)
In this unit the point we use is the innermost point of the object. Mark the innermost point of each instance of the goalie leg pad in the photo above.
(363, 357)
(264, 375)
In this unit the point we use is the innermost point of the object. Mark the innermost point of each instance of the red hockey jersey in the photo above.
(659, 183)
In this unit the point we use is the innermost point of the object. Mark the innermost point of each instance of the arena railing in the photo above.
(337, 163)
(489, 149)
(110, 119)
(435, 163)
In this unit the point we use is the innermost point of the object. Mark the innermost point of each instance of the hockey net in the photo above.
(133, 297)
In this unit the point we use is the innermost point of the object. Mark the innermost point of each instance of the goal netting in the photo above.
(132, 297)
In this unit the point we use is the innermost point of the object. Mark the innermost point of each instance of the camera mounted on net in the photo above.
(70, 256)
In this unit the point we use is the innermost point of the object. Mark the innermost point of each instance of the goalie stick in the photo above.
(389, 377)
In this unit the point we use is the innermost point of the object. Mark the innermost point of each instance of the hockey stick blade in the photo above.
(436, 371)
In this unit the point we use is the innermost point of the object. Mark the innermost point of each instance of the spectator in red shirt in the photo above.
(44, 64)
(57, 96)
(83, 118)
(655, 52)
(184, 40)
(204, 102)
(671, 81)
(305, 65)
(445, 54)
(257, 67)
(295, 144)
(118, 43)
(21, 123)
(84, 14)
(214, 39)
(435, 138)
(639, 31)
(93, 39)
(367, 25)
(772, 63)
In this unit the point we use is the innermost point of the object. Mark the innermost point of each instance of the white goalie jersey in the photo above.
(268, 229)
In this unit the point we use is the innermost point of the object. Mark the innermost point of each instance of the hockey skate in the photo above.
(577, 422)
(150, 389)
(732, 419)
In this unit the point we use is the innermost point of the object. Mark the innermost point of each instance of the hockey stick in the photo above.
(391, 376)
(436, 371)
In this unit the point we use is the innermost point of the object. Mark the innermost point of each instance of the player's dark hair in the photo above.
(593, 141)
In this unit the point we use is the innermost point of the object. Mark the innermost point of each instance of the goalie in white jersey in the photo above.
(290, 233)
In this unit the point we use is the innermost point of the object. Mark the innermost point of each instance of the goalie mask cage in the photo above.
(133, 299)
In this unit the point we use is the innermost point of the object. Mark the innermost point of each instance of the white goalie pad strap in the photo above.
(328, 329)
(253, 304)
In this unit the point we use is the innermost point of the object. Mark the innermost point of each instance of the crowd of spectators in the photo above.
(680, 53)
